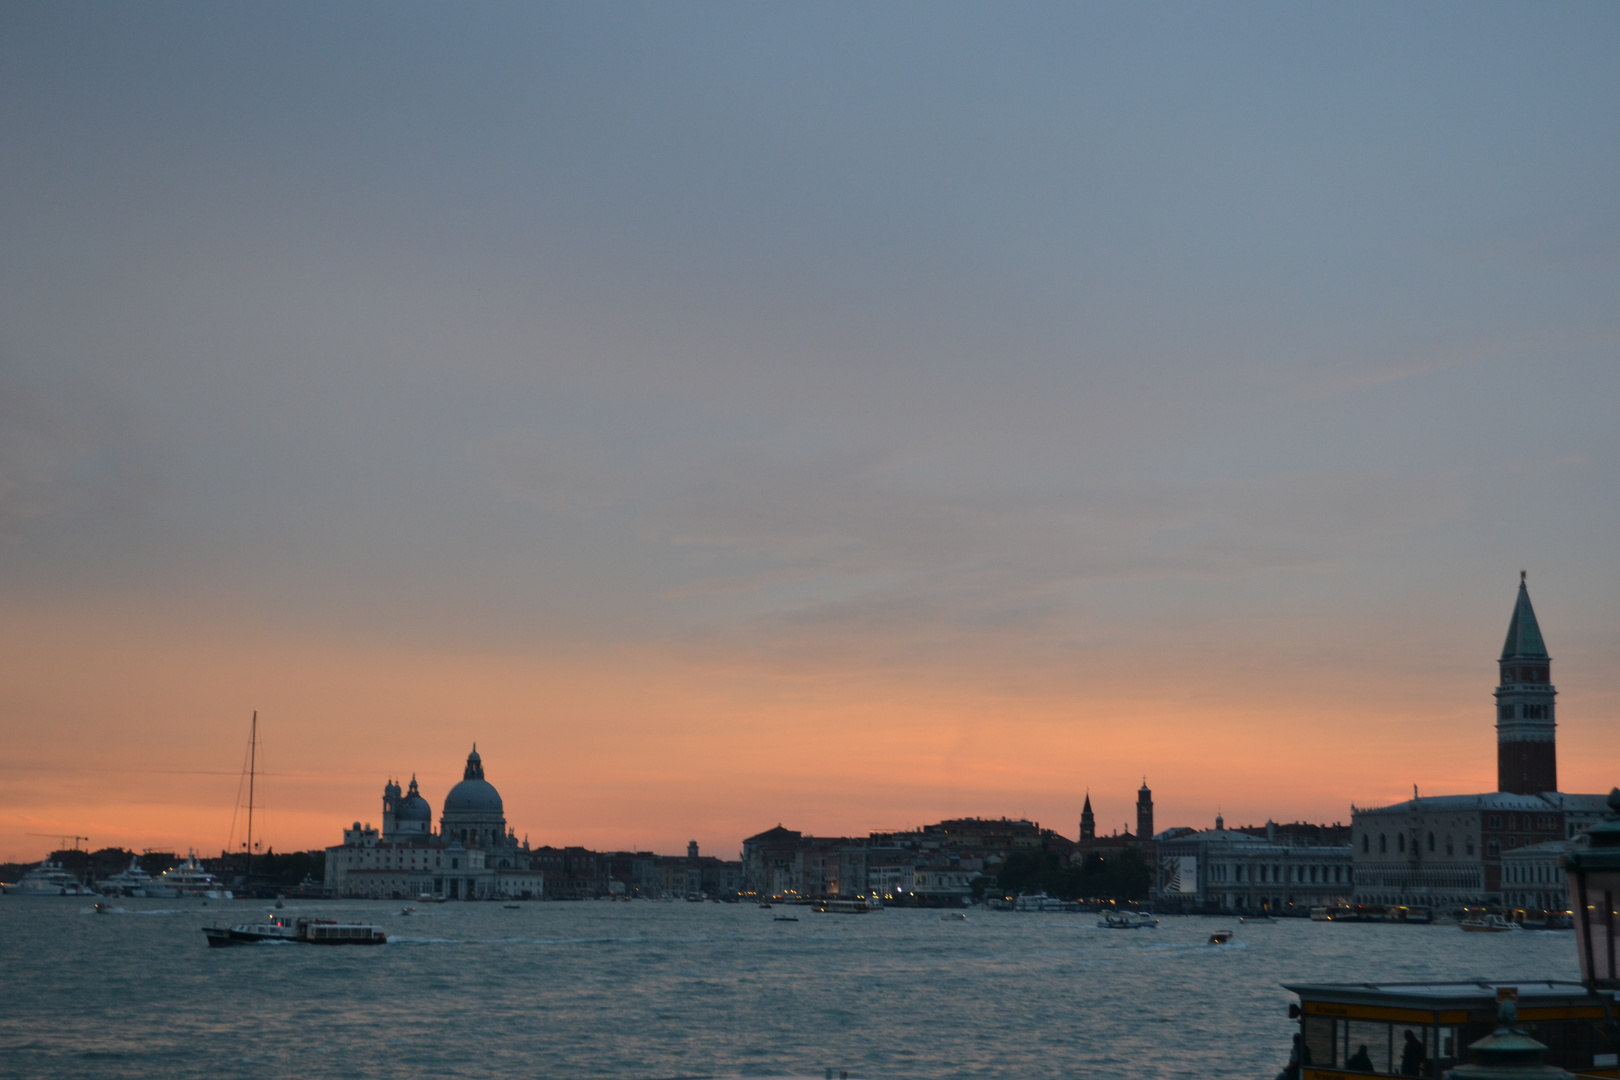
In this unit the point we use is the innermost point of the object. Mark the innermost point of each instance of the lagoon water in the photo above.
(651, 990)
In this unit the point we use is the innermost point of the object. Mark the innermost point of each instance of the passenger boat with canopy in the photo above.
(1127, 920)
(1421, 1029)
(301, 931)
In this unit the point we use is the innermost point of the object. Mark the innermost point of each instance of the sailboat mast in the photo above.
(253, 765)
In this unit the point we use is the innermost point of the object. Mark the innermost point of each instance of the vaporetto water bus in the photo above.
(1422, 1029)
(299, 931)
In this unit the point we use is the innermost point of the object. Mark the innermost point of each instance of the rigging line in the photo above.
(236, 807)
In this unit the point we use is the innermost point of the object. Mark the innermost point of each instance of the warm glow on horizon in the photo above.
(648, 748)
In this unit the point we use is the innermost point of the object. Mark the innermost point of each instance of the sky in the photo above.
(841, 415)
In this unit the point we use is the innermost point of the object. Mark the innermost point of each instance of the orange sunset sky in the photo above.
(796, 414)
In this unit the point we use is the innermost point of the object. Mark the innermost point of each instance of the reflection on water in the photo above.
(650, 990)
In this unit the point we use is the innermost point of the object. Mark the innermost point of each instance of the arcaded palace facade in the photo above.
(473, 856)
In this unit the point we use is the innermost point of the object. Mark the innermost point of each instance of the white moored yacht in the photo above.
(131, 882)
(187, 879)
(49, 879)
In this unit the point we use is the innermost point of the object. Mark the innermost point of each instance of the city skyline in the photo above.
(665, 843)
(848, 416)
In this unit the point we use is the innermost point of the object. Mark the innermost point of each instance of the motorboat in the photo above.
(188, 879)
(49, 879)
(953, 916)
(301, 931)
(1256, 918)
(133, 881)
(786, 918)
(1220, 937)
(1127, 920)
(1487, 924)
(845, 907)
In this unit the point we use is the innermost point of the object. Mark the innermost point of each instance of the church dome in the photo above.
(413, 807)
(474, 794)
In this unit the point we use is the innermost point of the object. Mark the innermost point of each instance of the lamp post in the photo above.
(1593, 867)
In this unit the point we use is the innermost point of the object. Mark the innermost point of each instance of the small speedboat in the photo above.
(1256, 918)
(510, 907)
(953, 916)
(786, 918)
(1487, 924)
(1220, 937)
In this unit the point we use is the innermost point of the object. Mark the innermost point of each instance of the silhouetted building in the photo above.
(1240, 870)
(1144, 811)
(1447, 850)
(1526, 746)
(472, 856)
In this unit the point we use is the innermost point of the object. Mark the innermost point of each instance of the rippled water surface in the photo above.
(650, 990)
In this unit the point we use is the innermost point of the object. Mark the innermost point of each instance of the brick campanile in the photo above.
(1526, 747)
(1144, 812)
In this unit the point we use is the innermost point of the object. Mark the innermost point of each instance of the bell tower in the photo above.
(1526, 750)
(1088, 822)
(1144, 812)
(391, 795)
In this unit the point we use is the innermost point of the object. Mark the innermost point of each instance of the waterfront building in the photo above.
(1532, 879)
(1448, 850)
(935, 863)
(1242, 870)
(472, 856)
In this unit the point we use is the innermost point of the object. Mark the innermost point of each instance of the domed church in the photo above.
(473, 856)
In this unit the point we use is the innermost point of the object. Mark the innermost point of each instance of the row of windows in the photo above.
(1400, 844)
(1494, 821)
(1548, 822)
(1270, 873)
(1523, 674)
(1527, 712)
(1425, 879)
(1542, 872)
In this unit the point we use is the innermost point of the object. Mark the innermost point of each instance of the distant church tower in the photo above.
(391, 795)
(1088, 824)
(1144, 812)
(1526, 753)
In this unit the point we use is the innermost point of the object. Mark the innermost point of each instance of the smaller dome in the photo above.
(413, 808)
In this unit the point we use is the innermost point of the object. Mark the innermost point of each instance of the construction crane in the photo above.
(60, 839)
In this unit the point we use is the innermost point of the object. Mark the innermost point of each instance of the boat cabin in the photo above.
(1350, 1030)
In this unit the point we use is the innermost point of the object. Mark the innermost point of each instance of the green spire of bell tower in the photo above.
(1524, 633)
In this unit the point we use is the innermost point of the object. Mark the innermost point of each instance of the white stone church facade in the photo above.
(473, 856)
